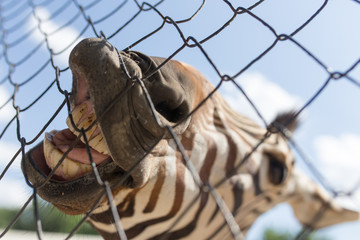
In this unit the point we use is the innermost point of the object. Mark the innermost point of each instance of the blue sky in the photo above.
(283, 79)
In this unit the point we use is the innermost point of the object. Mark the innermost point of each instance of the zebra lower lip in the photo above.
(71, 196)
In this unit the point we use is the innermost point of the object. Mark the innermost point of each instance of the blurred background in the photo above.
(314, 66)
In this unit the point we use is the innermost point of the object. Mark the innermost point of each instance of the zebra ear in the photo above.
(289, 120)
(313, 206)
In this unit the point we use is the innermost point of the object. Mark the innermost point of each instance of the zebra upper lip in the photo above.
(113, 96)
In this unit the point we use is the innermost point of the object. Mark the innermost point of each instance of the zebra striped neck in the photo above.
(216, 142)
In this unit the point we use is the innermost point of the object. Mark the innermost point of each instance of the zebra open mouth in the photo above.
(77, 161)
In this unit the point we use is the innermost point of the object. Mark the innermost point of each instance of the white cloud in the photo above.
(340, 157)
(12, 185)
(16, 192)
(57, 41)
(339, 162)
(7, 112)
(268, 97)
(7, 151)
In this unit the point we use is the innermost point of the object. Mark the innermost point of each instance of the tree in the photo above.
(54, 219)
(271, 234)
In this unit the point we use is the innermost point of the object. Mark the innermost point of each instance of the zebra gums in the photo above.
(154, 187)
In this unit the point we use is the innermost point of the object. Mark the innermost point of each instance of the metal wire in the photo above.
(9, 12)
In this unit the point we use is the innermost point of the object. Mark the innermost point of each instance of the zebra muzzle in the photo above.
(110, 105)
(118, 86)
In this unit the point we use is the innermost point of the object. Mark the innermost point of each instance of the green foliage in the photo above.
(52, 220)
(271, 234)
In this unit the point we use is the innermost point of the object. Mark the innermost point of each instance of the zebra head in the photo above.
(121, 106)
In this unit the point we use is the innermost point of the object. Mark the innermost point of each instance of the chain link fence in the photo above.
(37, 36)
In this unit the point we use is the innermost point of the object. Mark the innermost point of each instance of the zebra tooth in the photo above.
(84, 119)
(98, 143)
(88, 133)
(79, 111)
(68, 169)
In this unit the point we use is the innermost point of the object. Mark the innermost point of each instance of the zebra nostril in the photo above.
(277, 170)
(173, 112)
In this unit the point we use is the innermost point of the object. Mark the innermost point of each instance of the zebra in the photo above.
(162, 178)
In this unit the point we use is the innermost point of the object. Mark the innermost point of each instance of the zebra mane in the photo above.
(288, 119)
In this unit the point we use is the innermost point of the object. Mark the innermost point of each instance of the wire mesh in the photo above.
(89, 21)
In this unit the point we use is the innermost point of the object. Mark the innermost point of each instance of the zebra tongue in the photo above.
(63, 139)
(81, 155)
(77, 162)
